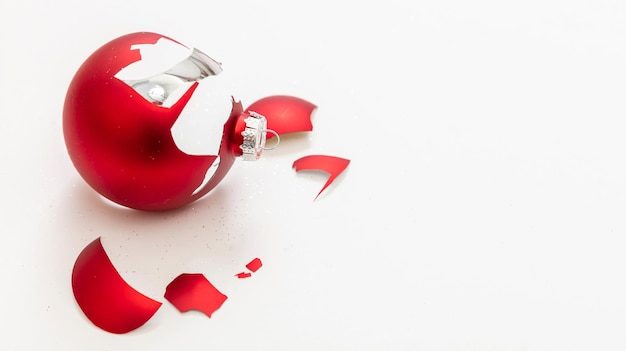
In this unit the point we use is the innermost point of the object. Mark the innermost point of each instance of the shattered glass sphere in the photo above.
(122, 117)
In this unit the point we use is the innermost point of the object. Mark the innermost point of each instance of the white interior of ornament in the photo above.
(149, 76)
(164, 74)
(200, 126)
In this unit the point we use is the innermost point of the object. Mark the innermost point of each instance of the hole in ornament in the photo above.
(209, 174)
(199, 128)
(166, 71)
(164, 74)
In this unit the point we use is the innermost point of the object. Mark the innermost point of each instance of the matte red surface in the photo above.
(254, 265)
(122, 145)
(192, 291)
(105, 298)
(330, 164)
(284, 114)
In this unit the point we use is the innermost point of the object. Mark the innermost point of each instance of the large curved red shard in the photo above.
(330, 164)
(105, 298)
(192, 291)
(284, 114)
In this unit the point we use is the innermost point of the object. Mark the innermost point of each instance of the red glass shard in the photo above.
(330, 164)
(192, 291)
(243, 275)
(284, 114)
(105, 298)
(254, 265)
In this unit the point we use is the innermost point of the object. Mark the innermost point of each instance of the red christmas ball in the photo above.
(120, 112)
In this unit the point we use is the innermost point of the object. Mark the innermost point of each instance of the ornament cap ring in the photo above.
(277, 139)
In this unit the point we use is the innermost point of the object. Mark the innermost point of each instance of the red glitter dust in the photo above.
(192, 291)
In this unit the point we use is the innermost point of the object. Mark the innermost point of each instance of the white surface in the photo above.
(483, 209)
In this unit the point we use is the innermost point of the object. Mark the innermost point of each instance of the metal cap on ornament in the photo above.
(254, 137)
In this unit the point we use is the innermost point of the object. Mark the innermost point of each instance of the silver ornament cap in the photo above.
(254, 136)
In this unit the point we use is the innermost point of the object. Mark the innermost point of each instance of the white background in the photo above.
(483, 208)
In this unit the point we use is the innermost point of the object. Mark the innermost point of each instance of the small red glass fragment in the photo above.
(105, 298)
(254, 265)
(192, 291)
(330, 164)
(284, 114)
(243, 275)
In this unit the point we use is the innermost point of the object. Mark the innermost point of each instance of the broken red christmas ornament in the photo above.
(243, 275)
(192, 291)
(131, 108)
(330, 164)
(285, 114)
(105, 298)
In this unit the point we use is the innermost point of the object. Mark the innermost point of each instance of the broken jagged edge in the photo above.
(332, 165)
(104, 297)
(193, 291)
(284, 113)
